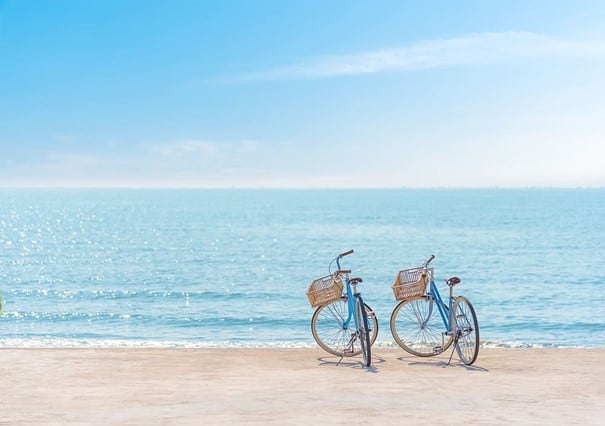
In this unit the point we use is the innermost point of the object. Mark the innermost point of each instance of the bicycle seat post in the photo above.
(451, 282)
(354, 282)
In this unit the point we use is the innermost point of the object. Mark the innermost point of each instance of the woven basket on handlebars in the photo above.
(325, 290)
(411, 283)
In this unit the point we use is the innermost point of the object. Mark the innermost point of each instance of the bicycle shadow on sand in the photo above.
(335, 361)
(441, 362)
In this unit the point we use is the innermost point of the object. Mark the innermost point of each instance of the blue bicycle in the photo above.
(424, 325)
(342, 325)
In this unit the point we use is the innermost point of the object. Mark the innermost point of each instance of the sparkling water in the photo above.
(205, 268)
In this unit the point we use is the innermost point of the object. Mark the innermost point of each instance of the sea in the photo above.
(202, 268)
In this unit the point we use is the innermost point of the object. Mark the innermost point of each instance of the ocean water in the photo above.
(222, 268)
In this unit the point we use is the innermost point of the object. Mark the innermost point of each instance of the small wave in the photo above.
(92, 343)
(51, 342)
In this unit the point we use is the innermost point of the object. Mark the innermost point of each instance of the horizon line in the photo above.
(301, 188)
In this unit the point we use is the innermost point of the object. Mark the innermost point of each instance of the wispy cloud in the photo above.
(185, 148)
(204, 149)
(473, 49)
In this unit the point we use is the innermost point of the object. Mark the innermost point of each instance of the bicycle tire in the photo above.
(372, 322)
(329, 334)
(418, 328)
(467, 330)
(364, 332)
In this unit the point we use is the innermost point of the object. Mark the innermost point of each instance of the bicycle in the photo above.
(342, 325)
(415, 324)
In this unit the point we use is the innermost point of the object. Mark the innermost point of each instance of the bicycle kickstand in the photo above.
(451, 355)
(348, 348)
(453, 348)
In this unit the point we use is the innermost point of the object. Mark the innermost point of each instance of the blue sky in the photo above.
(302, 94)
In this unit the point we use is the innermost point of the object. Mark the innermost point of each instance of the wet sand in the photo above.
(299, 386)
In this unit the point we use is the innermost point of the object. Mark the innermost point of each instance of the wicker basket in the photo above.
(325, 290)
(411, 283)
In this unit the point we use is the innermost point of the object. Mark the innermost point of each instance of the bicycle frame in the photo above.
(441, 306)
(352, 314)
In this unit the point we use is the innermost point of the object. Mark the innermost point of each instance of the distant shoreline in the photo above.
(268, 188)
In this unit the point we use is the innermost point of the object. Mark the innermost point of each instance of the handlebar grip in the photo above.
(346, 253)
(342, 271)
(430, 259)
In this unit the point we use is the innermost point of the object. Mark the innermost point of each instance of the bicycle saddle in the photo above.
(452, 281)
(356, 280)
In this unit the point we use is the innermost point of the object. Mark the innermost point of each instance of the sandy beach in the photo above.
(299, 386)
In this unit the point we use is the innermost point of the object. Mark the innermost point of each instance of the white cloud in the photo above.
(203, 156)
(507, 160)
(185, 147)
(473, 49)
(243, 163)
(178, 163)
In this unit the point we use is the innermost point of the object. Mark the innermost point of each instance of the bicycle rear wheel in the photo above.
(418, 328)
(364, 332)
(467, 330)
(329, 331)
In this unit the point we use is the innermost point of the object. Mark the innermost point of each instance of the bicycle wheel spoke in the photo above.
(417, 327)
(334, 313)
(467, 329)
(329, 331)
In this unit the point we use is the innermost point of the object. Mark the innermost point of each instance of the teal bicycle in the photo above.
(424, 325)
(342, 325)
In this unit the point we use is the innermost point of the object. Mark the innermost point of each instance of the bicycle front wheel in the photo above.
(467, 330)
(364, 332)
(418, 328)
(332, 333)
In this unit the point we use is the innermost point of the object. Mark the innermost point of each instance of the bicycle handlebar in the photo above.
(342, 271)
(337, 260)
(429, 260)
(346, 253)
